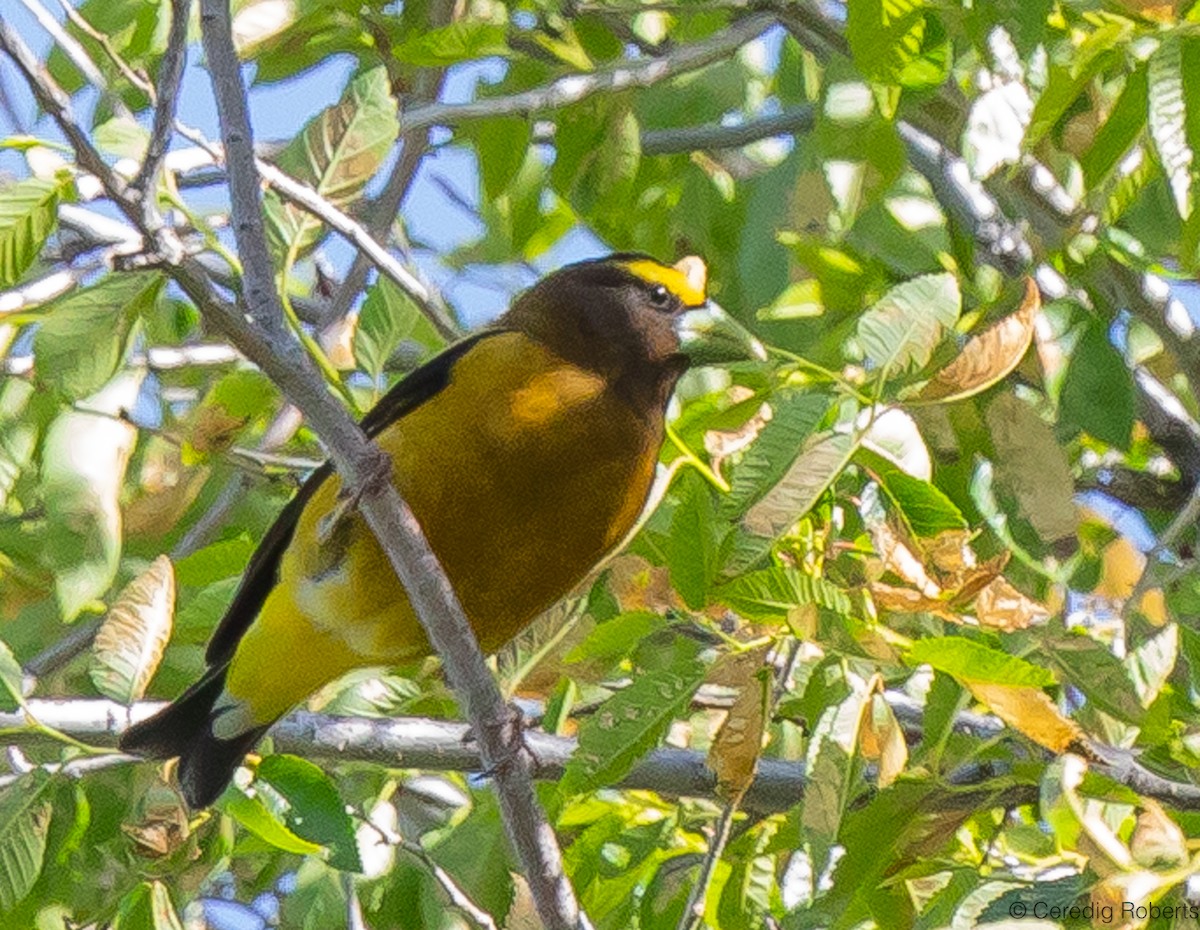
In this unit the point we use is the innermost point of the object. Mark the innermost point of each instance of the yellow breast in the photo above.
(523, 471)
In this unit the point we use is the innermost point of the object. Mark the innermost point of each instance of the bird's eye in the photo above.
(659, 296)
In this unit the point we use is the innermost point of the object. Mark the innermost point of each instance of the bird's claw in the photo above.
(512, 738)
(377, 472)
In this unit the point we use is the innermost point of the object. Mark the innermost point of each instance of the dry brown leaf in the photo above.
(908, 601)
(720, 444)
(881, 739)
(899, 558)
(1029, 711)
(167, 489)
(134, 633)
(990, 356)
(968, 585)
(1153, 606)
(638, 585)
(733, 756)
(1121, 566)
(735, 669)
(1153, 9)
(1000, 606)
(214, 429)
(337, 341)
(160, 833)
(950, 552)
(1157, 841)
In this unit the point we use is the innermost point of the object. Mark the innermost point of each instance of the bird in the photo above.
(526, 451)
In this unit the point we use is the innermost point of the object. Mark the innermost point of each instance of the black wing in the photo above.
(263, 571)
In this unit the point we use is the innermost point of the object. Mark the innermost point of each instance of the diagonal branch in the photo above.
(170, 78)
(414, 144)
(576, 87)
(367, 470)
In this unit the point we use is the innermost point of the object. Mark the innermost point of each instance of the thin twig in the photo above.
(75, 52)
(170, 78)
(430, 745)
(459, 898)
(54, 100)
(414, 144)
(576, 87)
(354, 914)
(693, 911)
(714, 136)
(105, 43)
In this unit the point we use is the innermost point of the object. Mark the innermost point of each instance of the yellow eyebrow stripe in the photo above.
(672, 279)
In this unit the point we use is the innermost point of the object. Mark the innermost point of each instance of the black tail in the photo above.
(184, 729)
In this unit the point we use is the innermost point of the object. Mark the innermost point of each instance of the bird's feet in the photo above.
(508, 742)
(377, 472)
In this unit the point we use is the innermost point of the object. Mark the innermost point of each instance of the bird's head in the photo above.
(637, 321)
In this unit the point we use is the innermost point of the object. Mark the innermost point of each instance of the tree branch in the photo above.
(576, 87)
(156, 358)
(446, 746)
(710, 137)
(367, 470)
(170, 77)
(414, 143)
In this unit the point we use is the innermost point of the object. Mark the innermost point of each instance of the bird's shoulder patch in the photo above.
(262, 572)
(550, 394)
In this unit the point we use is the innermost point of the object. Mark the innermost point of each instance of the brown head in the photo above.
(630, 319)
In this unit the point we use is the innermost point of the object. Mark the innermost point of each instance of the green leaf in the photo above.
(253, 815)
(83, 337)
(1151, 662)
(84, 457)
(316, 812)
(794, 415)
(810, 475)
(829, 768)
(147, 907)
(462, 41)
(925, 509)
(1097, 393)
(886, 37)
(692, 546)
(336, 154)
(131, 640)
(1031, 467)
(1168, 122)
(901, 330)
(966, 659)
(476, 854)
(122, 136)
(24, 824)
(388, 319)
(1092, 668)
(1120, 131)
(28, 214)
(225, 558)
(631, 722)
(1066, 81)
(615, 638)
(770, 594)
(500, 145)
(12, 678)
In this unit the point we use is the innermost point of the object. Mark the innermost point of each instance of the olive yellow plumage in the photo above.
(526, 451)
